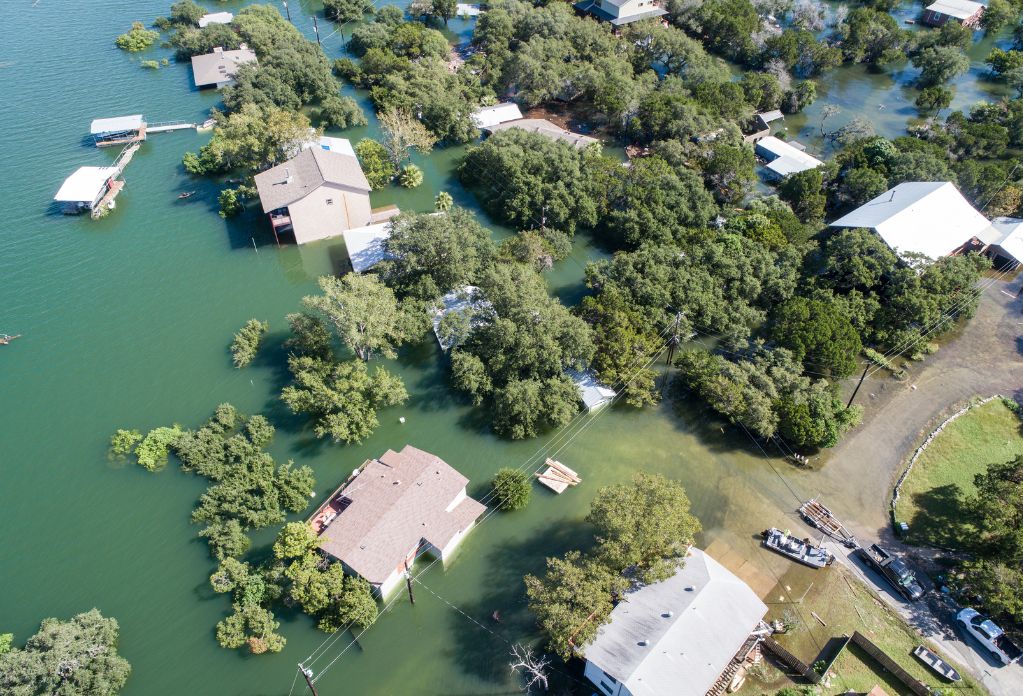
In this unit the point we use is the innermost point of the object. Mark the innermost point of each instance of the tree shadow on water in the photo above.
(484, 649)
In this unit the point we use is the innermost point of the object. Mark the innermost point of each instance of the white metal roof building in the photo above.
(1005, 239)
(783, 158)
(215, 18)
(965, 11)
(676, 636)
(86, 186)
(498, 113)
(920, 217)
(366, 245)
(117, 124)
(593, 394)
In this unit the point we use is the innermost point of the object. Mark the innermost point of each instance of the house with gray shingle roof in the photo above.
(394, 508)
(317, 194)
(676, 637)
(218, 68)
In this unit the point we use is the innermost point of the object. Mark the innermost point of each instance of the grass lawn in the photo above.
(845, 605)
(933, 493)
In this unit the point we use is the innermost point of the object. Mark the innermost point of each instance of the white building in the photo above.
(468, 301)
(966, 12)
(396, 507)
(592, 393)
(1003, 242)
(921, 217)
(365, 245)
(498, 113)
(620, 12)
(215, 18)
(784, 158)
(85, 188)
(675, 637)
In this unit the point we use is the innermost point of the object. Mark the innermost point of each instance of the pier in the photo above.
(168, 126)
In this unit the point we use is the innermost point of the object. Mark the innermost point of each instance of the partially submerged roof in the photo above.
(769, 116)
(784, 158)
(85, 185)
(960, 9)
(498, 113)
(311, 168)
(1007, 234)
(366, 245)
(215, 18)
(467, 300)
(466, 10)
(592, 392)
(677, 636)
(219, 66)
(117, 124)
(923, 217)
(545, 127)
(397, 501)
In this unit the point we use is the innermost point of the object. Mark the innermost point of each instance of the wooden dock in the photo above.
(819, 516)
(106, 202)
(168, 126)
(558, 477)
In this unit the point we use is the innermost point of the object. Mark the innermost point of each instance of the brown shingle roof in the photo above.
(295, 179)
(398, 500)
(219, 66)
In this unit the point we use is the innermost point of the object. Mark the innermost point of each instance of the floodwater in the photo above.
(126, 323)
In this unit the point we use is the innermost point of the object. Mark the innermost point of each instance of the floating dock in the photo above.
(558, 477)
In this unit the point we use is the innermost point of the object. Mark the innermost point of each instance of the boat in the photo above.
(819, 516)
(186, 194)
(800, 551)
(936, 664)
(7, 338)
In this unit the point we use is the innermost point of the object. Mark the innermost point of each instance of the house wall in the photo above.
(627, 9)
(447, 552)
(937, 19)
(327, 212)
(606, 685)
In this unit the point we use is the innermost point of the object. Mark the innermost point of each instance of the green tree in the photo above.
(77, 657)
(512, 489)
(933, 99)
(998, 584)
(153, 450)
(376, 164)
(572, 600)
(996, 15)
(186, 13)
(226, 539)
(363, 312)
(247, 341)
(138, 39)
(340, 112)
(939, 64)
(404, 133)
(997, 509)
(445, 9)
(250, 625)
(294, 540)
(347, 11)
(643, 525)
(804, 191)
(122, 442)
(819, 332)
(249, 140)
(343, 398)
(309, 336)
(410, 176)
(443, 202)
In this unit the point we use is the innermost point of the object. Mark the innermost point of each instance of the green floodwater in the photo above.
(126, 323)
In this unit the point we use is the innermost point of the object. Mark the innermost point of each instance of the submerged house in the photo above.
(498, 113)
(316, 194)
(966, 12)
(679, 636)
(928, 218)
(783, 158)
(218, 69)
(620, 12)
(545, 128)
(84, 189)
(467, 301)
(119, 130)
(391, 510)
(215, 18)
(592, 393)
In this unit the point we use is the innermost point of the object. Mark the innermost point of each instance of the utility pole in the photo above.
(316, 28)
(288, 10)
(672, 342)
(858, 385)
(308, 673)
(408, 581)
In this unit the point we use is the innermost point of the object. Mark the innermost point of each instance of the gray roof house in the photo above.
(393, 508)
(677, 636)
(545, 128)
(619, 12)
(317, 194)
(218, 68)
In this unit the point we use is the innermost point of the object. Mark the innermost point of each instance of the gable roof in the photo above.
(677, 636)
(85, 185)
(925, 217)
(215, 18)
(219, 66)
(960, 9)
(295, 179)
(117, 124)
(546, 128)
(593, 393)
(784, 157)
(397, 501)
(498, 113)
(1006, 233)
(365, 245)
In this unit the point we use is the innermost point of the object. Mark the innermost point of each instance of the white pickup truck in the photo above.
(990, 636)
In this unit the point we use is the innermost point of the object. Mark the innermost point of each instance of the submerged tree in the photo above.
(246, 342)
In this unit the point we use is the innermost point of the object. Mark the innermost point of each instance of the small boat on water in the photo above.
(7, 338)
(186, 194)
(800, 551)
(936, 664)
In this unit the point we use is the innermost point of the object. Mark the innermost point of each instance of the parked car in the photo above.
(894, 570)
(989, 635)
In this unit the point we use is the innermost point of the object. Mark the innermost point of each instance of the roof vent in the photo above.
(287, 175)
(690, 588)
(667, 615)
(643, 642)
(395, 482)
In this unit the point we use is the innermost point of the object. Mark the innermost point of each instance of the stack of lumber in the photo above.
(558, 477)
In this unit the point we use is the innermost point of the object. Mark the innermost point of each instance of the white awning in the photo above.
(215, 18)
(117, 124)
(85, 185)
(366, 245)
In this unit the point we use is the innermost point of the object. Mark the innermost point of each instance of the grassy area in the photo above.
(845, 605)
(933, 493)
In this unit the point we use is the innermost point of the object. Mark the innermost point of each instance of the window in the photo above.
(610, 679)
(606, 688)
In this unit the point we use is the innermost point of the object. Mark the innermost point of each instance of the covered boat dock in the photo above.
(119, 130)
(89, 188)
